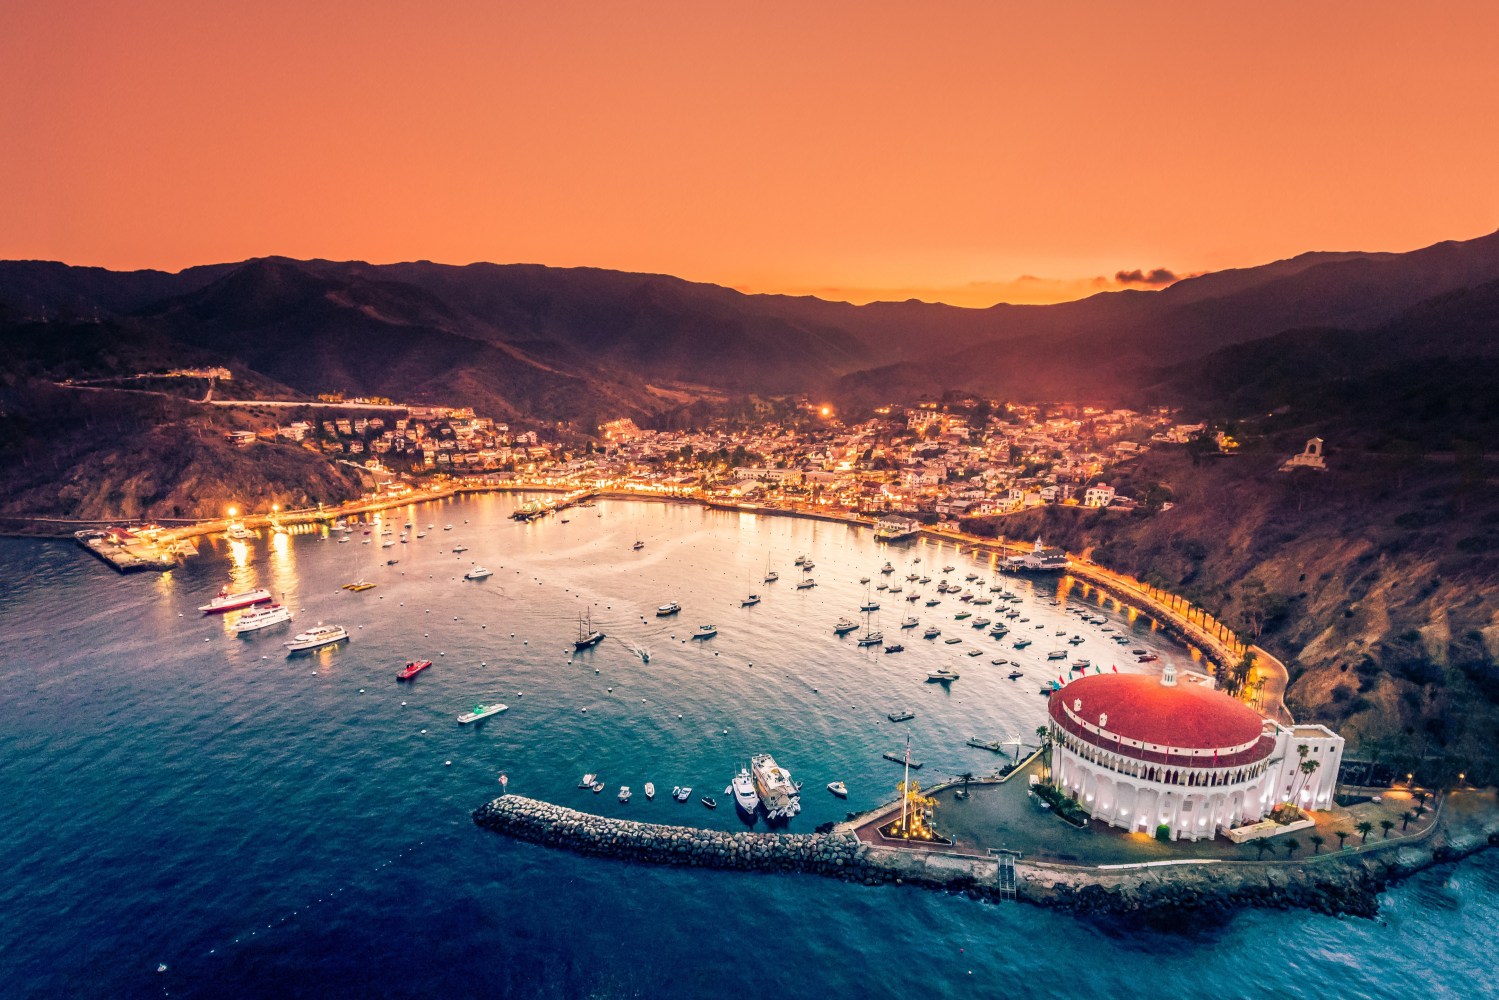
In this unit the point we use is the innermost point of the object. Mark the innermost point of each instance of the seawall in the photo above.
(1329, 883)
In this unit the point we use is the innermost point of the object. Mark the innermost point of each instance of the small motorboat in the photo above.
(682, 793)
(895, 647)
(962, 614)
(709, 801)
(624, 793)
(942, 676)
(838, 788)
(596, 787)
(413, 668)
(806, 584)
(1149, 658)
(1015, 675)
(1022, 643)
(932, 632)
(481, 711)
(705, 632)
(669, 608)
(650, 790)
(460, 548)
(1080, 664)
(588, 781)
(478, 573)
(933, 602)
(844, 626)
(863, 579)
(638, 546)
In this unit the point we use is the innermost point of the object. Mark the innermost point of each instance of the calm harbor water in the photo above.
(269, 826)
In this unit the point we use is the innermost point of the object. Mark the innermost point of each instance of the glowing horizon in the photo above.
(970, 154)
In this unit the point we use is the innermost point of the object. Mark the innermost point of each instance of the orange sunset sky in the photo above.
(963, 152)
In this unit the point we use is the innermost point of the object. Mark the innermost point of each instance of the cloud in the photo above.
(1155, 278)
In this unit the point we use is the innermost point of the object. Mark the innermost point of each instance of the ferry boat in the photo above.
(478, 573)
(587, 634)
(705, 632)
(743, 790)
(258, 618)
(838, 788)
(412, 669)
(844, 626)
(317, 637)
(482, 711)
(669, 608)
(780, 796)
(226, 601)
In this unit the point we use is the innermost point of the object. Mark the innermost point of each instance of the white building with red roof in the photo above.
(1139, 751)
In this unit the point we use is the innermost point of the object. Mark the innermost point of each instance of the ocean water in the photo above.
(268, 826)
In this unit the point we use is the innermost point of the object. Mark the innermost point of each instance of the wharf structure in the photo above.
(1145, 754)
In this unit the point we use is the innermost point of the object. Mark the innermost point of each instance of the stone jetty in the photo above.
(1328, 884)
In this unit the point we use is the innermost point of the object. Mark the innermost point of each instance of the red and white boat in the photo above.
(225, 601)
(412, 669)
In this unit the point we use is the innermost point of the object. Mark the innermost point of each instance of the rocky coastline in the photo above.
(1343, 884)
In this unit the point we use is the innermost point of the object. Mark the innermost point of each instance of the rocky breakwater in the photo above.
(835, 854)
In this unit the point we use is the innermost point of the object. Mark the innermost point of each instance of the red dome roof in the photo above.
(1139, 707)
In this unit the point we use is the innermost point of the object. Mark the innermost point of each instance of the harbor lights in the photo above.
(233, 512)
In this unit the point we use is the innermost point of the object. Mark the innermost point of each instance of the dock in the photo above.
(127, 550)
(901, 759)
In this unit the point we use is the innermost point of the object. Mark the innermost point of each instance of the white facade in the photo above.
(1197, 793)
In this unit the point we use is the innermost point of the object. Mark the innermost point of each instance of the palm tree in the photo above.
(1317, 841)
(1364, 827)
(1292, 846)
(1405, 819)
(1342, 835)
(1386, 825)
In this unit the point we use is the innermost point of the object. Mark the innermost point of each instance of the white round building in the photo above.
(1139, 751)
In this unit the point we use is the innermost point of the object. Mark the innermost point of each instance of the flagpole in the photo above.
(905, 791)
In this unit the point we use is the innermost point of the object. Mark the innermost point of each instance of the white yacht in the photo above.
(258, 618)
(705, 632)
(669, 608)
(624, 793)
(478, 573)
(650, 790)
(743, 790)
(318, 636)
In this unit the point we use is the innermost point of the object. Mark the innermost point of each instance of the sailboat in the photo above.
(872, 636)
(750, 599)
(587, 634)
(771, 576)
